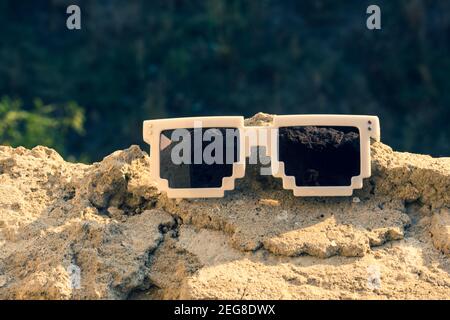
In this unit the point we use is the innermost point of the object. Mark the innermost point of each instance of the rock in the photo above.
(43, 233)
(3, 281)
(259, 119)
(410, 177)
(108, 222)
(440, 230)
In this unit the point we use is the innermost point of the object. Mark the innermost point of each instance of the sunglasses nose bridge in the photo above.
(258, 137)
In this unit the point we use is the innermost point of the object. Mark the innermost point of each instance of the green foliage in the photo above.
(41, 124)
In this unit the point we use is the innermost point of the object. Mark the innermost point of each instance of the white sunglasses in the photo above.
(314, 155)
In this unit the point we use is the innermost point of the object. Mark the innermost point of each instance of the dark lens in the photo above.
(196, 169)
(320, 155)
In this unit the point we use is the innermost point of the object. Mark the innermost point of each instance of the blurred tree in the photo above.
(42, 124)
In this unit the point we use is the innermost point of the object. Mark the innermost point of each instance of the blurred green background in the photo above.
(87, 92)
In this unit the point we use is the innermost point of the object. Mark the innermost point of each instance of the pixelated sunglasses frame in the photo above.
(368, 126)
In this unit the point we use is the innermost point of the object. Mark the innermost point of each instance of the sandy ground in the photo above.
(103, 231)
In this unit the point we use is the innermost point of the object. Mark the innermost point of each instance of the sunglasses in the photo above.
(314, 155)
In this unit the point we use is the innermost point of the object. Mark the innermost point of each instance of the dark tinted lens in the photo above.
(320, 155)
(206, 156)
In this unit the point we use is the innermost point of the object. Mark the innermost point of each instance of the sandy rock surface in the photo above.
(103, 231)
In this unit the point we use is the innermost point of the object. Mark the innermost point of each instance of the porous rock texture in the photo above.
(390, 240)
